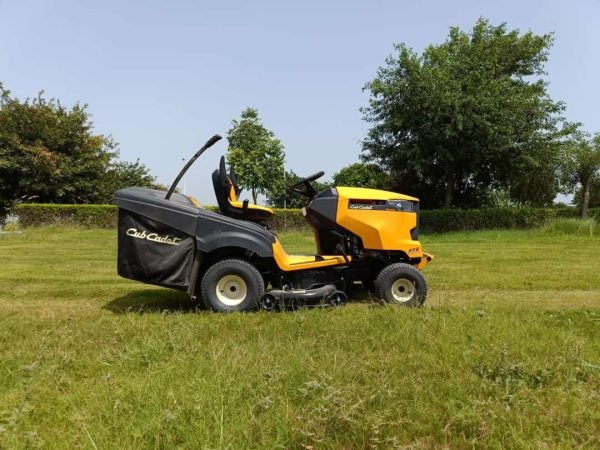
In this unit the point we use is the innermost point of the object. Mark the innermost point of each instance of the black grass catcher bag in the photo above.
(153, 252)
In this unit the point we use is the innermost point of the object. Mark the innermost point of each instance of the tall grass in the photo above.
(572, 226)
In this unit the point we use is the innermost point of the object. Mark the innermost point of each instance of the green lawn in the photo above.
(506, 353)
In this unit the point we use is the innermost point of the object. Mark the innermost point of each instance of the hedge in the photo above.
(431, 221)
(89, 216)
(443, 220)
(105, 216)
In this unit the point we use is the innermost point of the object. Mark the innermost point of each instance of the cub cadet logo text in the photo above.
(153, 237)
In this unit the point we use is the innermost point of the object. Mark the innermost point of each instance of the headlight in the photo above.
(401, 205)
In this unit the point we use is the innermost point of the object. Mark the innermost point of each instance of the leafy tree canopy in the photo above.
(278, 197)
(581, 169)
(361, 175)
(467, 117)
(49, 153)
(255, 154)
(122, 174)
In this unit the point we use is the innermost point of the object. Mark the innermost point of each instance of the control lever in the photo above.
(340, 246)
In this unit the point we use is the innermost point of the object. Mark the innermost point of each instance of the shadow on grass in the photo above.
(153, 301)
(169, 301)
(360, 295)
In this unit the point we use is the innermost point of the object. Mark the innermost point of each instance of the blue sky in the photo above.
(163, 76)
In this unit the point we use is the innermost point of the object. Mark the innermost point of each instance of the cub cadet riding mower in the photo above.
(228, 259)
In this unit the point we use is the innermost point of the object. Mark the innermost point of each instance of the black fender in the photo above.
(214, 231)
(207, 244)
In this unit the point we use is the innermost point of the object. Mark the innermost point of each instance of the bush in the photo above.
(105, 216)
(89, 216)
(444, 220)
(593, 213)
(288, 219)
(430, 221)
(282, 220)
(569, 225)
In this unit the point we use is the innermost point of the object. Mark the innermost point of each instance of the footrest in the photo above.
(302, 262)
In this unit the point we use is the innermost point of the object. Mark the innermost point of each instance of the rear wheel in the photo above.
(401, 284)
(232, 285)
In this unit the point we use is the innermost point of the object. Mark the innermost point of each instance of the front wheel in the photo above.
(232, 285)
(401, 284)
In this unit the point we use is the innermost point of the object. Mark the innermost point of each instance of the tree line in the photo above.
(471, 119)
(466, 123)
(50, 154)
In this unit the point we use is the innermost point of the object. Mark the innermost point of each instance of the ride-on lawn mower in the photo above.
(231, 261)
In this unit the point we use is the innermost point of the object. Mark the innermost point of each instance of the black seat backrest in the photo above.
(223, 185)
(222, 188)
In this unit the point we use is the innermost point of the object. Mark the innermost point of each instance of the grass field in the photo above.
(506, 353)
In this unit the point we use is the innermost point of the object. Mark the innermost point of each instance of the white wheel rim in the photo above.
(403, 290)
(231, 290)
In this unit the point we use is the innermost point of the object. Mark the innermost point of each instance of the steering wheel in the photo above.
(303, 187)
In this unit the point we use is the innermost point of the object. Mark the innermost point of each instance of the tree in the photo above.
(360, 175)
(122, 174)
(466, 117)
(581, 167)
(278, 196)
(49, 153)
(594, 192)
(255, 154)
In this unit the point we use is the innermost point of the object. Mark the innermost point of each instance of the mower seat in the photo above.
(227, 191)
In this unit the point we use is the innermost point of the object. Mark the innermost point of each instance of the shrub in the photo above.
(9, 227)
(288, 219)
(570, 225)
(444, 220)
(89, 216)
(283, 219)
(593, 213)
(431, 221)
(105, 216)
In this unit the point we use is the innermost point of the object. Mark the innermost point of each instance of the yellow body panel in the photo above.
(289, 263)
(378, 229)
(427, 258)
(371, 194)
(194, 201)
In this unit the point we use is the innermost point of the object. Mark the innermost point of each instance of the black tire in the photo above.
(232, 285)
(401, 284)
